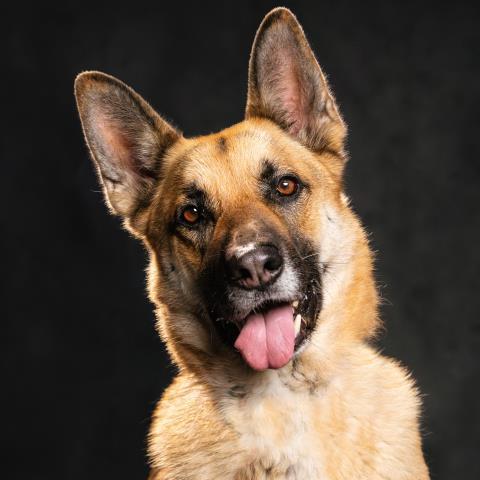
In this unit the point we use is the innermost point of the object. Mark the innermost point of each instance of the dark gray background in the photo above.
(82, 364)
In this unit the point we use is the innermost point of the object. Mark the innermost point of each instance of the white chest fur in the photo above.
(277, 429)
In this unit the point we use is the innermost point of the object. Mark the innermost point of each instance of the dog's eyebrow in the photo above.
(269, 171)
(196, 194)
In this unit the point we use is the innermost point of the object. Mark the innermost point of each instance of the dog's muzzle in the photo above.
(262, 294)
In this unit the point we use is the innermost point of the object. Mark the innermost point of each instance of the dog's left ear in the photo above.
(127, 140)
(287, 86)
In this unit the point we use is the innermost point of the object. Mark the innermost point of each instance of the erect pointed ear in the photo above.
(126, 138)
(287, 86)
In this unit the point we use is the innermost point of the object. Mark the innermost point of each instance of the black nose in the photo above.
(256, 268)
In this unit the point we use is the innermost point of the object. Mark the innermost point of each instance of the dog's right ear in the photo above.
(126, 137)
(286, 85)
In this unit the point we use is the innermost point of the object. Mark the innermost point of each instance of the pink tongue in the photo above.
(267, 340)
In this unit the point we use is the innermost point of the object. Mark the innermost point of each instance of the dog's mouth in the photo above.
(267, 336)
(272, 332)
(265, 326)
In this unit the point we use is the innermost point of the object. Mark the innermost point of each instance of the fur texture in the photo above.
(338, 410)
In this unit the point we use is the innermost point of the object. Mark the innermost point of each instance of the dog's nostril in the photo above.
(273, 263)
(244, 273)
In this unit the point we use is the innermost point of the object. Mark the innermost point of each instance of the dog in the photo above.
(261, 275)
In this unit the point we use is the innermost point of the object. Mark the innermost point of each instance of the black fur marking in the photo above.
(269, 172)
(305, 260)
(193, 192)
(222, 144)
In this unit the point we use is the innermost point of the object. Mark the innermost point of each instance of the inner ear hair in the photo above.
(287, 86)
(126, 138)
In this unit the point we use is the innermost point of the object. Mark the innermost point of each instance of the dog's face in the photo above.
(243, 224)
(235, 221)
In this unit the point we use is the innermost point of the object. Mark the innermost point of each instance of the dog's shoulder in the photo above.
(375, 374)
(384, 410)
(186, 430)
(173, 414)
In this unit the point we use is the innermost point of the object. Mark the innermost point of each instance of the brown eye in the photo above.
(191, 215)
(287, 186)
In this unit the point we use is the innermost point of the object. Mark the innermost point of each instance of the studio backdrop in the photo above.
(83, 365)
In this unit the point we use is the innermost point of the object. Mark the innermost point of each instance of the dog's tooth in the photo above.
(298, 322)
(295, 304)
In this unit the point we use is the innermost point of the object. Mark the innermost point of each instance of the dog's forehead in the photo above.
(222, 162)
(228, 164)
(231, 153)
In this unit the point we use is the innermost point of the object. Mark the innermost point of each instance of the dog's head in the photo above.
(243, 226)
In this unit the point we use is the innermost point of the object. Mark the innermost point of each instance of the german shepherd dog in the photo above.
(261, 276)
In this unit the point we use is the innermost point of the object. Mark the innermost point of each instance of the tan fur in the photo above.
(339, 410)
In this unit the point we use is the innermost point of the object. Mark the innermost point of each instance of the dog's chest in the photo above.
(277, 432)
